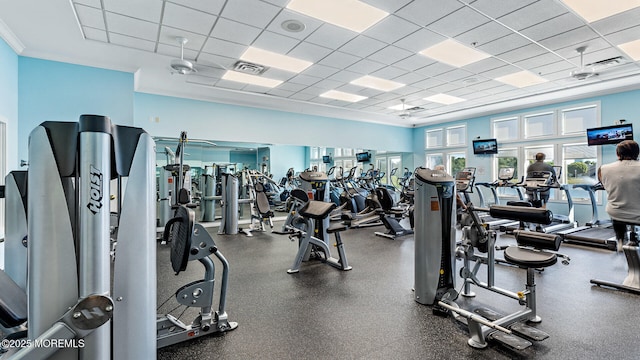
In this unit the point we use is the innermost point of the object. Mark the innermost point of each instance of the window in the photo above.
(457, 162)
(433, 160)
(579, 166)
(530, 154)
(576, 120)
(457, 136)
(314, 153)
(506, 129)
(539, 125)
(507, 158)
(434, 138)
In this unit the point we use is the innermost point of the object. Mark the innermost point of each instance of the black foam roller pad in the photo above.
(520, 213)
(538, 240)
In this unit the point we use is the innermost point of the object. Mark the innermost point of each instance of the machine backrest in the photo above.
(178, 231)
(384, 198)
(262, 201)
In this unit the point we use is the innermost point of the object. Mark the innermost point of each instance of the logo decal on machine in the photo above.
(95, 202)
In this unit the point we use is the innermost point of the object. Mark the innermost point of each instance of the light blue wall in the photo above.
(167, 116)
(613, 107)
(56, 91)
(9, 103)
(283, 157)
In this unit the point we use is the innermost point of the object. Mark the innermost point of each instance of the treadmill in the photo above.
(537, 181)
(597, 232)
(505, 175)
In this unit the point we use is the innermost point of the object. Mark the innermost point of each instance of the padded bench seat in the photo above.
(528, 258)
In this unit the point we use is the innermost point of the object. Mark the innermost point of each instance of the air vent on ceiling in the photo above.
(249, 68)
(608, 62)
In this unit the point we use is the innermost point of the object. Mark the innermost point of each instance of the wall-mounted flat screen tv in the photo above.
(363, 157)
(485, 146)
(609, 134)
(326, 159)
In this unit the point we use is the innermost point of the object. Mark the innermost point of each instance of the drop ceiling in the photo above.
(139, 36)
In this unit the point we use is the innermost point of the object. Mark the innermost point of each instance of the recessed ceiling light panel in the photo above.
(522, 79)
(275, 60)
(250, 79)
(595, 10)
(453, 53)
(340, 95)
(354, 15)
(632, 49)
(444, 99)
(377, 83)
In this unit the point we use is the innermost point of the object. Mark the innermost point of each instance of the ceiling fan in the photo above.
(182, 66)
(404, 114)
(587, 71)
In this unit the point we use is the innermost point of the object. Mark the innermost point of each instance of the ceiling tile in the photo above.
(275, 42)
(278, 91)
(91, 17)
(330, 36)
(538, 61)
(624, 36)
(409, 77)
(168, 36)
(279, 74)
(618, 22)
(216, 60)
(258, 13)
(501, 71)
(94, 3)
(362, 46)
(535, 13)
(552, 27)
(305, 79)
(229, 49)
(132, 27)
(185, 18)
(434, 69)
(386, 5)
(521, 53)
(419, 40)
(454, 75)
(95, 34)
(573, 37)
(310, 24)
(132, 42)
(483, 65)
(391, 29)
(226, 84)
(339, 60)
(345, 76)
(390, 55)
(425, 12)
(389, 72)
(302, 96)
(498, 8)
(145, 10)
(413, 62)
(320, 71)
(235, 32)
(174, 51)
(292, 87)
(365, 66)
(483, 34)
(200, 80)
(555, 67)
(309, 52)
(504, 44)
(210, 6)
(459, 22)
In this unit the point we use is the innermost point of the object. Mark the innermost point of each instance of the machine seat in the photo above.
(13, 302)
(529, 258)
(317, 209)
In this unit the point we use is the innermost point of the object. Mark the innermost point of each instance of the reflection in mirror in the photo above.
(206, 160)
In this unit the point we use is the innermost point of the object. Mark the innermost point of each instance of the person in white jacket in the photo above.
(621, 180)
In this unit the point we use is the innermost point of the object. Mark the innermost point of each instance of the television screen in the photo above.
(609, 134)
(486, 146)
(363, 157)
(326, 159)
